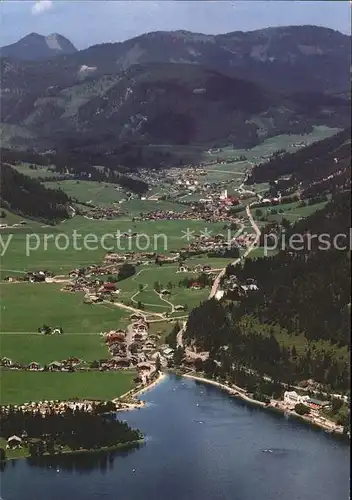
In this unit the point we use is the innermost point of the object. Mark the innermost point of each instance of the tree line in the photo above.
(28, 197)
(74, 429)
(303, 294)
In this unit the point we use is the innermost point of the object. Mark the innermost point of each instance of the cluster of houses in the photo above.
(292, 398)
(207, 209)
(70, 364)
(138, 258)
(199, 268)
(32, 277)
(231, 284)
(135, 258)
(171, 215)
(104, 213)
(49, 407)
(20, 224)
(218, 244)
(132, 348)
(95, 290)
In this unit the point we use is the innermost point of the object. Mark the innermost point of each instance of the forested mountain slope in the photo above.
(297, 325)
(322, 167)
(180, 88)
(29, 198)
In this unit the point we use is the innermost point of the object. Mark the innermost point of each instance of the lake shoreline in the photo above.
(328, 426)
(105, 449)
(136, 393)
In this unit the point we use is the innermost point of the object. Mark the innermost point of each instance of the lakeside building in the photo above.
(291, 398)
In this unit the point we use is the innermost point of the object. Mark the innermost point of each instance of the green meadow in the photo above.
(290, 211)
(98, 193)
(24, 307)
(22, 386)
(165, 275)
(53, 248)
(39, 172)
(43, 349)
(27, 306)
(270, 145)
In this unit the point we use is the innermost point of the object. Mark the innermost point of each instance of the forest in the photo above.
(75, 429)
(300, 292)
(28, 197)
(322, 167)
(73, 164)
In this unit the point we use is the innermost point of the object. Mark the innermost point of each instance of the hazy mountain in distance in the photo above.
(180, 87)
(289, 58)
(35, 47)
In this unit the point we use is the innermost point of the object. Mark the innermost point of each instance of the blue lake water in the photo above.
(201, 445)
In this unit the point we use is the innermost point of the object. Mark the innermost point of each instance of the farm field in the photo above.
(213, 262)
(136, 206)
(22, 386)
(290, 211)
(99, 193)
(161, 236)
(272, 144)
(27, 306)
(11, 218)
(165, 275)
(299, 212)
(104, 194)
(43, 349)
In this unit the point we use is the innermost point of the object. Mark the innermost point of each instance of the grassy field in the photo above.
(162, 329)
(11, 218)
(21, 387)
(290, 211)
(39, 172)
(99, 193)
(27, 306)
(267, 147)
(258, 253)
(164, 275)
(104, 194)
(135, 206)
(29, 252)
(43, 349)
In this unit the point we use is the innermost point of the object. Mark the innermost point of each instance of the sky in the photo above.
(90, 22)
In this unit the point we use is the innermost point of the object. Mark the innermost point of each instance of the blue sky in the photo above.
(89, 22)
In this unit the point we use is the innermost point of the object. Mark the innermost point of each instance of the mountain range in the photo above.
(175, 88)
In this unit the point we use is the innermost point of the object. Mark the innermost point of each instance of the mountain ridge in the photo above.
(182, 87)
(36, 47)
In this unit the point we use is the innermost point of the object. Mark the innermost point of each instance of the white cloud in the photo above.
(41, 6)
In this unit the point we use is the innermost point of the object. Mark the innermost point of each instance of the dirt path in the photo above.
(137, 292)
(232, 172)
(135, 310)
(161, 297)
(179, 336)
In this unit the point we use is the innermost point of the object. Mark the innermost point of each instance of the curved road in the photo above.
(217, 280)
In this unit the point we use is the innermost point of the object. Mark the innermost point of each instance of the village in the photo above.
(201, 194)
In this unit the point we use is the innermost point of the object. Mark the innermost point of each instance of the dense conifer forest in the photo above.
(28, 197)
(296, 326)
(323, 167)
(74, 429)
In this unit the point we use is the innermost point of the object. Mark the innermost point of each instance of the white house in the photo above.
(292, 398)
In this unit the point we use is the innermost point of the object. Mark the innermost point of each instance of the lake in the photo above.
(201, 444)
